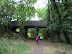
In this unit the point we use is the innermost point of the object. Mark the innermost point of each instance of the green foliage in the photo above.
(21, 27)
(42, 32)
(42, 13)
(31, 33)
(10, 10)
(17, 29)
(59, 19)
(68, 47)
(7, 8)
(12, 46)
(3, 21)
(24, 11)
(3, 25)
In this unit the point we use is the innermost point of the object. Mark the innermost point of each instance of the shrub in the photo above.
(8, 46)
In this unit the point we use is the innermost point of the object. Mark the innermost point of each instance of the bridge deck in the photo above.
(31, 24)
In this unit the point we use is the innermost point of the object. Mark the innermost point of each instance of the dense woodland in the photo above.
(56, 13)
(60, 20)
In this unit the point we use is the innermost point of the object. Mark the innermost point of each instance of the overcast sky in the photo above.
(40, 4)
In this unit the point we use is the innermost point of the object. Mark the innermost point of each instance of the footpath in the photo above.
(46, 47)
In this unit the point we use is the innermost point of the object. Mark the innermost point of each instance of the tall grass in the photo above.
(8, 46)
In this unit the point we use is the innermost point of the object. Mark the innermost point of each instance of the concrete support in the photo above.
(36, 33)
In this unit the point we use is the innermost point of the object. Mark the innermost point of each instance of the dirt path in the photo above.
(46, 47)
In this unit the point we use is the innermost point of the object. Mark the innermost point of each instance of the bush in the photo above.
(12, 46)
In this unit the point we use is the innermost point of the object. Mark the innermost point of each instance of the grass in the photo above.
(59, 49)
(8, 46)
(68, 47)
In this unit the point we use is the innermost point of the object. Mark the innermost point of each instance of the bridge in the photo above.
(29, 24)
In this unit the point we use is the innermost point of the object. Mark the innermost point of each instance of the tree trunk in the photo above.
(26, 30)
(66, 37)
(59, 38)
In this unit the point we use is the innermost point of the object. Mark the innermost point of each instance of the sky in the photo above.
(40, 4)
(37, 5)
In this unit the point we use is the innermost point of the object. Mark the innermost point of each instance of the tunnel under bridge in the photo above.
(29, 24)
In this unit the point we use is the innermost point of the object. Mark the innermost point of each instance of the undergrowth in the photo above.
(10, 46)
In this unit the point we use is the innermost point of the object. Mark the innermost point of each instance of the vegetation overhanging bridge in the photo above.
(29, 24)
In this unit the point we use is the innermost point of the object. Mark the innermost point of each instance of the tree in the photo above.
(58, 17)
(7, 9)
(42, 13)
(24, 11)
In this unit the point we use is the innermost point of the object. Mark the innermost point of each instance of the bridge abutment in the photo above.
(37, 29)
